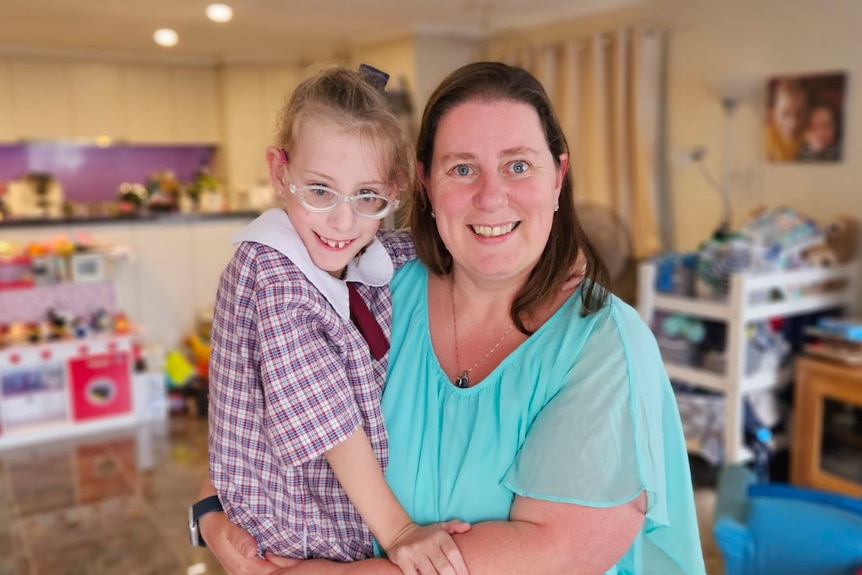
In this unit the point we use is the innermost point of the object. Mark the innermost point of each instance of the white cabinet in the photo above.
(171, 105)
(147, 104)
(96, 96)
(7, 128)
(745, 304)
(194, 105)
(59, 100)
(41, 100)
(252, 99)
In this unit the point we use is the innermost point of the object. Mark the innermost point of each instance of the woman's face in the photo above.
(325, 155)
(493, 185)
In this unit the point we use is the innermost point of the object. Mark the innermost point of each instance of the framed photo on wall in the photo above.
(805, 117)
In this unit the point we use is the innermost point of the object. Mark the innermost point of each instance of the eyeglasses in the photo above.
(321, 199)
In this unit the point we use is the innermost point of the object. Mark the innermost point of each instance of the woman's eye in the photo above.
(518, 167)
(463, 170)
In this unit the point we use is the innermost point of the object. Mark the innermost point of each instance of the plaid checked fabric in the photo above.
(290, 379)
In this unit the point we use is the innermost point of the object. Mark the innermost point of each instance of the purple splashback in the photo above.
(89, 173)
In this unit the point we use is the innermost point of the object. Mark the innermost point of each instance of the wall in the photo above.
(745, 42)
(738, 44)
(437, 54)
(396, 57)
(89, 173)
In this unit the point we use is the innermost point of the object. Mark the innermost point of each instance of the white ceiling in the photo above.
(285, 30)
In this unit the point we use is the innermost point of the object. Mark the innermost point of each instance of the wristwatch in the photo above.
(197, 511)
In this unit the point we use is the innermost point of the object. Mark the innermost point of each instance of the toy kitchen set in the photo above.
(67, 354)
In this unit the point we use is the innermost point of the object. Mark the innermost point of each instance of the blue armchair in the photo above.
(778, 529)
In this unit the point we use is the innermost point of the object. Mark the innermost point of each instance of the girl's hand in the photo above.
(233, 547)
(429, 549)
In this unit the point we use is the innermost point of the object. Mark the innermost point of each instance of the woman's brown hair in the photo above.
(495, 81)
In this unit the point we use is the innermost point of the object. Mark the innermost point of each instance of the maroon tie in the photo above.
(364, 320)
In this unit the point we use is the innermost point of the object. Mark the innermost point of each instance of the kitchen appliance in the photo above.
(34, 195)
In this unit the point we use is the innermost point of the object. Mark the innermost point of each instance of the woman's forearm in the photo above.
(542, 538)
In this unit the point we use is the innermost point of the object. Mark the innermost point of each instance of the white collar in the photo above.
(273, 228)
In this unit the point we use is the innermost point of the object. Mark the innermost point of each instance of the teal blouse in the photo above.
(582, 412)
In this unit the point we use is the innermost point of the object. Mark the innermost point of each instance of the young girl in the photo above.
(297, 442)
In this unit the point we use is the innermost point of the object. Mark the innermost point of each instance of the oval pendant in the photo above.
(463, 381)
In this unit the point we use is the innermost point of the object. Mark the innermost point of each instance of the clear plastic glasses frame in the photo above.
(321, 199)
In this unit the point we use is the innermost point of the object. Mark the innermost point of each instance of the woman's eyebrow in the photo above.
(457, 156)
(518, 151)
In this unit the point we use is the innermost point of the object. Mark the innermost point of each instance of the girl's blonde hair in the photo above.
(346, 98)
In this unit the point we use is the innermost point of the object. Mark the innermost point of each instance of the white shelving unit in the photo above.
(745, 304)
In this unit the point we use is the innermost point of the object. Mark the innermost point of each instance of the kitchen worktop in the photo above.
(128, 219)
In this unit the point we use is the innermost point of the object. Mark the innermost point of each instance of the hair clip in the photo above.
(375, 77)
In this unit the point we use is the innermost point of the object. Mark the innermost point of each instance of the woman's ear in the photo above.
(422, 181)
(420, 174)
(276, 160)
(561, 174)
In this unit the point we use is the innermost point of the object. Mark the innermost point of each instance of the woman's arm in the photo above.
(426, 549)
(233, 547)
(541, 538)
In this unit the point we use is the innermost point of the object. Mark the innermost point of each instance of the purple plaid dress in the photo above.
(290, 378)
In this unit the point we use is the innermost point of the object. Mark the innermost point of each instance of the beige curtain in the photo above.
(607, 90)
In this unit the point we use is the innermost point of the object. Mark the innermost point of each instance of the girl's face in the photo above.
(493, 185)
(820, 133)
(326, 155)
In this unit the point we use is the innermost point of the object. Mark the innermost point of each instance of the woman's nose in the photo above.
(492, 191)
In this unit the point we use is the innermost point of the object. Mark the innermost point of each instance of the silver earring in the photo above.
(557, 207)
(433, 215)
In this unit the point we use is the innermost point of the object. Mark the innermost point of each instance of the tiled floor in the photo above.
(117, 504)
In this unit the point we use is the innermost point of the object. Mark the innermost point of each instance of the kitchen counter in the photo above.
(164, 218)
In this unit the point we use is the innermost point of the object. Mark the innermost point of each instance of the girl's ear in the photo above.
(276, 160)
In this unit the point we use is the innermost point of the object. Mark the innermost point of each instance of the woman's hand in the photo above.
(233, 547)
(428, 549)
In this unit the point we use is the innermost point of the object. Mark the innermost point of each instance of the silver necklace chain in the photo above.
(463, 379)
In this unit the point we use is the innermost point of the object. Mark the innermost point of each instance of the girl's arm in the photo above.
(414, 548)
(399, 245)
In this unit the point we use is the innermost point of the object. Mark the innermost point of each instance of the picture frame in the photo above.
(805, 118)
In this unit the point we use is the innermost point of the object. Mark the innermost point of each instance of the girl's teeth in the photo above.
(493, 231)
(334, 244)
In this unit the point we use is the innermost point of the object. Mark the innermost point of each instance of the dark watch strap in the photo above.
(198, 510)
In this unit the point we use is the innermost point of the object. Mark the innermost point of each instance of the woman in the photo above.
(545, 419)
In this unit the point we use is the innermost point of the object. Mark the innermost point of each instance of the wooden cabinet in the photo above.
(41, 100)
(826, 450)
